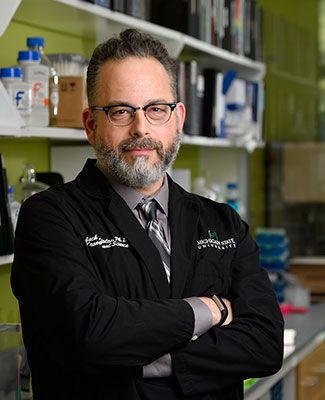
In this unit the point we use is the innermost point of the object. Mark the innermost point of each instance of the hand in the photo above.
(216, 314)
(230, 316)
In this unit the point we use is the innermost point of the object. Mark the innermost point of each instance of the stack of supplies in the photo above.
(274, 255)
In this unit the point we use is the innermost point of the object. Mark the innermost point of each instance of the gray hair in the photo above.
(129, 43)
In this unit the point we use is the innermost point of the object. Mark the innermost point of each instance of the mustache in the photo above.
(145, 143)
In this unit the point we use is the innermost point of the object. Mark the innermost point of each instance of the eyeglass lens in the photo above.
(156, 114)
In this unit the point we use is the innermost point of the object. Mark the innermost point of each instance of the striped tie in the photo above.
(156, 233)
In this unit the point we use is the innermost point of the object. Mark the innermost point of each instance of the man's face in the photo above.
(137, 154)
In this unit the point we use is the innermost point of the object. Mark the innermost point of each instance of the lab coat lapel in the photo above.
(123, 218)
(183, 218)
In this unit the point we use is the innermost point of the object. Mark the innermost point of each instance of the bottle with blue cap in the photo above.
(233, 198)
(38, 76)
(232, 195)
(38, 44)
(19, 92)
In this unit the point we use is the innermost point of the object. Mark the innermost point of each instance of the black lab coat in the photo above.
(96, 305)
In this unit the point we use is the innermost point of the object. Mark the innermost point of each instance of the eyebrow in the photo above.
(150, 101)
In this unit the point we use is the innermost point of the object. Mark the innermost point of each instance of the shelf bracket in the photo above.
(8, 9)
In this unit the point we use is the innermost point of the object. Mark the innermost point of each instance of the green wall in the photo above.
(8, 304)
(14, 39)
(257, 200)
(18, 152)
(290, 39)
(292, 61)
(301, 12)
(188, 158)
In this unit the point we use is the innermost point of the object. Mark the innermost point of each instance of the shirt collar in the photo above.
(162, 196)
(132, 197)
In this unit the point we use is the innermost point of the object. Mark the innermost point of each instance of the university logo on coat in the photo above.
(213, 241)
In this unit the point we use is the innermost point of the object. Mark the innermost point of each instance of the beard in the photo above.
(140, 173)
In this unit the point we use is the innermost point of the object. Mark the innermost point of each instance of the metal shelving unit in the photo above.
(226, 159)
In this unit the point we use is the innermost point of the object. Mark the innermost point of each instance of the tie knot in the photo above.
(149, 209)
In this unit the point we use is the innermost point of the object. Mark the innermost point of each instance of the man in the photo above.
(129, 287)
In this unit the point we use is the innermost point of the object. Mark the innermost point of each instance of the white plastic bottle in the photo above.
(38, 76)
(20, 92)
(14, 206)
(37, 44)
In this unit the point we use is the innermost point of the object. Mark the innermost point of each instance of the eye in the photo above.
(119, 112)
(157, 110)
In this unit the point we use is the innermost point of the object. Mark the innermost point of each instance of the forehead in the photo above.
(134, 77)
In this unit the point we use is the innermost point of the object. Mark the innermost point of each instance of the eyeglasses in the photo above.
(124, 114)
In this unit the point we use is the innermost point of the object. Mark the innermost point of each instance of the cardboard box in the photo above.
(303, 179)
(72, 101)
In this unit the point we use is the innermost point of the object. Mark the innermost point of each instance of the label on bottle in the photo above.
(22, 100)
(54, 98)
(40, 94)
(20, 94)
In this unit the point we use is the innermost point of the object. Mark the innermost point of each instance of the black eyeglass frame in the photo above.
(135, 109)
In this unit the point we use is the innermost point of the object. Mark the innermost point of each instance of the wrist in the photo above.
(216, 309)
(222, 308)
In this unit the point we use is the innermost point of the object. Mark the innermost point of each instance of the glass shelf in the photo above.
(8, 259)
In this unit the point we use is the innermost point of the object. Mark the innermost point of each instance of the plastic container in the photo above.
(29, 184)
(274, 248)
(37, 44)
(277, 263)
(216, 189)
(298, 296)
(20, 92)
(200, 188)
(69, 64)
(268, 236)
(38, 76)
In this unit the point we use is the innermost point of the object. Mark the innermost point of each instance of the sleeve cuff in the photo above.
(160, 368)
(202, 316)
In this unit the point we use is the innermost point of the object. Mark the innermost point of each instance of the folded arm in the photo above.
(206, 315)
(251, 345)
(63, 299)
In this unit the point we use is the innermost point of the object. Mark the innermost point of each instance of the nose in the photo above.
(140, 125)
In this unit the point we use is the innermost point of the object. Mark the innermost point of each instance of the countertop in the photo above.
(310, 332)
(320, 260)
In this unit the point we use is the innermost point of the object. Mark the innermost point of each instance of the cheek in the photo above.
(169, 136)
(107, 136)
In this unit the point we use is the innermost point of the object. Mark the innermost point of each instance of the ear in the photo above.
(181, 112)
(89, 124)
